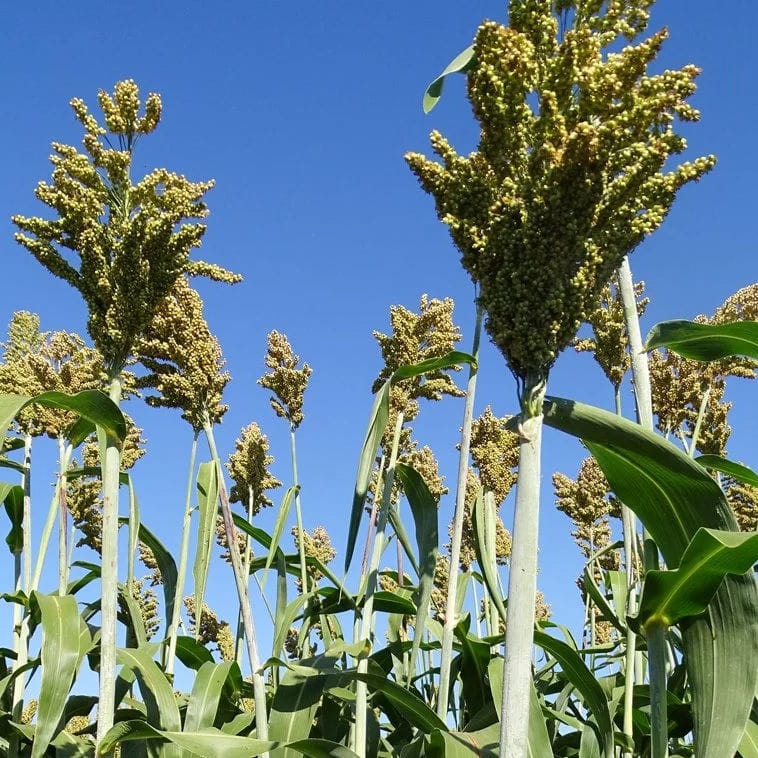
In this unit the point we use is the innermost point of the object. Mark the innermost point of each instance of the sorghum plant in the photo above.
(569, 176)
(132, 241)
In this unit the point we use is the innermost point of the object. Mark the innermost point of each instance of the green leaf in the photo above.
(402, 535)
(706, 342)
(462, 63)
(160, 702)
(414, 710)
(453, 359)
(207, 495)
(734, 470)
(669, 596)
(166, 565)
(205, 695)
(484, 742)
(475, 659)
(376, 425)
(13, 498)
(484, 558)
(192, 653)
(320, 748)
(281, 521)
(582, 678)
(92, 405)
(674, 497)
(749, 743)
(424, 509)
(209, 742)
(293, 709)
(65, 640)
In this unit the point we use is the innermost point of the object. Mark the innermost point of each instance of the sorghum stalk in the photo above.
(367, 621)
(173, 630)
(111, 467)
(64, 455)
(458, 519)
(522, 576)
(298, 513)
(656, 641)
(699, 423)
(259, 688)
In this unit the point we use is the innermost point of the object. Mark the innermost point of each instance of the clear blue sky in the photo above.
(302, 113)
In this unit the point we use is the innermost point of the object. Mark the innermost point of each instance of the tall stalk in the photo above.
(367, 621)
(522, 577)
(446, 653)
(181, 574)
(111, 466)
(259, 687)
(298, 513)
(643, 397)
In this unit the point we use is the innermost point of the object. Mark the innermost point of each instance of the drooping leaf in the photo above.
(13, 498)
(162, 709)
(538, 738)
(414, 710)
(475, 660)
(207, 496)
(402, 534)
(209, 742)
(674, 496)
(484, 742)
(65, 640)
(192, 653)
(705, 342)
(95, 407)
(462, 63)
(669, 596)
(730, 468)
(576, 671)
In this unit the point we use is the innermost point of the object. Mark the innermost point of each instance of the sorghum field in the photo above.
(225, 606)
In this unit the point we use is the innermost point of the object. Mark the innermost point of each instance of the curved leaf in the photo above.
(320, 748)
(205, 695)
(162, 710)
(462, 63)
(674, 497)
(669, 596)
(210, 743)
(484, 557)
(582, 678)
(293, 709)
(65, 640)
(13, 498)
(415, 711)
(706, 342)
(95, 407)
(730, 468)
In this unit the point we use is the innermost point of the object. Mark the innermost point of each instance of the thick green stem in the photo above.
(259, 686)
(367, 621)
(109, 574)
(181, 574)
(64, 455)
(23, 582)
(522, 578)
(446, 654)
(656, 642)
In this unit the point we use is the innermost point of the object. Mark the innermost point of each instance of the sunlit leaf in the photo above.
(706, 342)
(669, 596)
(462, 63)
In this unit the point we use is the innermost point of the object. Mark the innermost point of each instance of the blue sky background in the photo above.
(302, 113)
